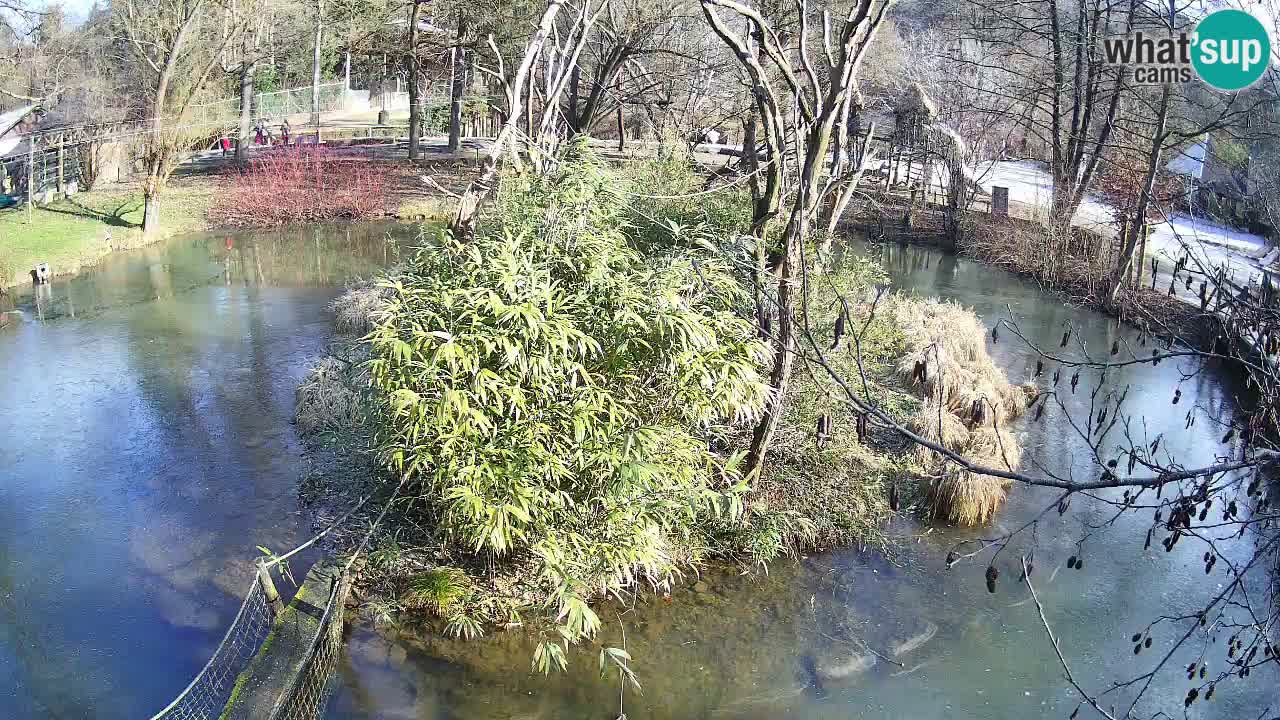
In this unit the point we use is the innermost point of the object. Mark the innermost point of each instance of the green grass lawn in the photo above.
(71, 233)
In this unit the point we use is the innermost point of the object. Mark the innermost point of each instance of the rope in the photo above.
(281, 558)
(369, 535)
(307, 692)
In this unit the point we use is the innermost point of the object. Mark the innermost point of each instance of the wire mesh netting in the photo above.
(298, 101)
(207, 695)
(307, 694)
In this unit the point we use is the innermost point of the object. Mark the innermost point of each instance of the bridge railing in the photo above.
(207, 695)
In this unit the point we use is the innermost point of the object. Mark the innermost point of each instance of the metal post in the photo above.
(61, 164)
(269, 587)
(31, 177)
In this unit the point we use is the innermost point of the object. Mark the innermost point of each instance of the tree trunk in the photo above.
(849, 155)
(415, 95)
(1136, 228)
(151, 203)
(571, 106)
(807, 200)
(784, 356)
(622, 136)
(248, 67)
(463, 225)
(458, 88)
(315, 69)
(957, 196)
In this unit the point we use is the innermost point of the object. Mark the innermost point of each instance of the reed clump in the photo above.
(359, 310)
(968, 402)
(330, 397)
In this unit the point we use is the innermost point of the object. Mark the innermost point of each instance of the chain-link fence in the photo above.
(304, 696)
(208, 693)
(277, 105)
(52, 161)
(307, 689)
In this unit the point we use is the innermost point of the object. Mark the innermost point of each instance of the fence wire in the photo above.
(298, 101)
(208, 693)
(308, 693)
(308, 689)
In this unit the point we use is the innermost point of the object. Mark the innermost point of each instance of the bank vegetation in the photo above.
(569, 396)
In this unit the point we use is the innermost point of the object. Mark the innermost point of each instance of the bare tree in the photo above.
(1040, 64)
(315, 67)
(34, 58)
(460, 63)
(799, 104)
(176, 45)
(518, 90)
(415, 85)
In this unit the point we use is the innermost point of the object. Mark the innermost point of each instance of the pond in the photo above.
(146, 449)
(732, 645)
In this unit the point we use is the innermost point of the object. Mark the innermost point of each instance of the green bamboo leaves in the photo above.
(552, 391)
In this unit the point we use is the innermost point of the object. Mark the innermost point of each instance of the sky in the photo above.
(1266, 10)
(75, 9)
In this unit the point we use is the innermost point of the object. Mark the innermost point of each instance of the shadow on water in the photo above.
(772, 645)
(146, 449)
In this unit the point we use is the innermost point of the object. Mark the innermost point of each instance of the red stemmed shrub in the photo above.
(302, 184)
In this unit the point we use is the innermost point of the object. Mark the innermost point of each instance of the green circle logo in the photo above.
(1232, 49)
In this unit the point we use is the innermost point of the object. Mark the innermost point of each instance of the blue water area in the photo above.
(753, 645)
(146, 449)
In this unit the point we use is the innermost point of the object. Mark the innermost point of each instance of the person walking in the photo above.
(259, 135)
(285, 130)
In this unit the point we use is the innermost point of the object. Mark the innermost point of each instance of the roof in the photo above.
(9, 140)
(13, 118)
(1190, 159)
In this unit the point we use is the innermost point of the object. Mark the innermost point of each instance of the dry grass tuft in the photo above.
(1076, 260)
(358, 310)
(329, 397)
(994, 448)
(937, 426)
(951, 343)
(967, 402)
(964, 498)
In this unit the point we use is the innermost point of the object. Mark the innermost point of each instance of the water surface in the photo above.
(145, 450)
(746, 646)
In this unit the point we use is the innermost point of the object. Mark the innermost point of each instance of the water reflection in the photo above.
(145, 449)
(735, 646)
